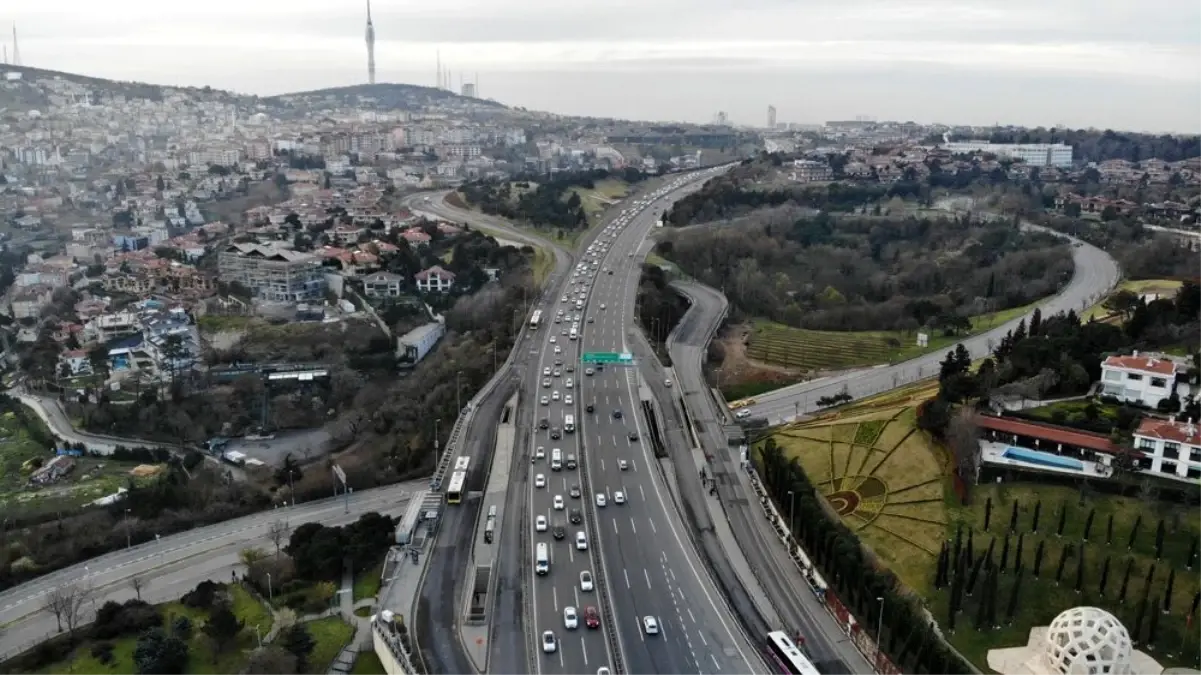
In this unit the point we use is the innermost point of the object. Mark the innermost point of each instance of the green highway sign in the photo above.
(624, 358)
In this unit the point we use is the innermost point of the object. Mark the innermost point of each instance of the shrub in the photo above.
(182, 628)
(103, 652)
(201, 597)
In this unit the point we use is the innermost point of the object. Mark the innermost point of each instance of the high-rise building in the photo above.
(370, 47)
(469, 89)
(771, 117)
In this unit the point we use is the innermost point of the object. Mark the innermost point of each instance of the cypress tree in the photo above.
(1159, 532)
(1038, 507)
(1063, 558)
(1125, 581)
(991, 545)
(1134, 532)
(991, 618)
(1149, 579)
(1013, 517)
(1138, 620)
(971, 553)
(1109, 531)
(956, 600)
(971, 580)
(958, 543)
(1005, 554)
(1167, 593)
(1088, 523)
(987, 513)
(1080, 569)
(1153, 628)
(1063, 519)
(1191, 558)
(1038, 558)
(1104, 577)
(1192, 608)
(1017, 556)
(982, 606)
(942, 566)
(1012, 608)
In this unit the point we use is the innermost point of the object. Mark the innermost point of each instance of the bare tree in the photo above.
(66, 604)
(138, 582)
(963, 437)
(277, 532)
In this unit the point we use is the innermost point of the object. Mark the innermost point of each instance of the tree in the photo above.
(66, 603)
(1088, 523)
(1038, 558)
(297, 641)
(987, 512)
(1109, 531)
(1167, 593)
(1191, 558)
(1153, 628)
(250, 556)
(277, 532)
(159, 653)
(1038, 507)
(940, 571)
(222, 628)
(1134, 532)
(138, 582)
(1017, 556)
(1138, 621)
(1063, 519)
(272, 660)
(963, 437)
(1005, 554)
(1125, 581)
(1104, 578)
(1013, 520)
(1012, 607)
(1079, 569)
(971, 581)
(1159, 532)
(1063, 559)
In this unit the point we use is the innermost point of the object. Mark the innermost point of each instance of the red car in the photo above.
(591, 617)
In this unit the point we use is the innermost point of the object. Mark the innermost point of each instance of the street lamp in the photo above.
(270, 592)
(437, 421)
(879, 632)
(128, 541)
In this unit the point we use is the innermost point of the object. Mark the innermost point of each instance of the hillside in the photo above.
(26, 93)
(384, 95)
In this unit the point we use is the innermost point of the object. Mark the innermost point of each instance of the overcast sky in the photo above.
(1105, 63)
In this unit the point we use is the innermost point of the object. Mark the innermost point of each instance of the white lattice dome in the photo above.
(1088, 641)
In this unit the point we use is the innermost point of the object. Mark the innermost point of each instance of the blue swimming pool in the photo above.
(1043, 458)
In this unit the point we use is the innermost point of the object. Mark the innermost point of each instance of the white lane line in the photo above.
(703, 640)
(648, 577)
(627, 576)
(633, 527)
(715, 663)
(584, 648)
(615, 528)
(653, 529)
(554, 594)
(690, 615)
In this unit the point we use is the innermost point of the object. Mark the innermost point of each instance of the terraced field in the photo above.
(818, 350)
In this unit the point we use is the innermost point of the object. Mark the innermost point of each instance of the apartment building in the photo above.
(1141, 378)
(1034, 154)
(1171, 449)
(273, 272)
(435, 280)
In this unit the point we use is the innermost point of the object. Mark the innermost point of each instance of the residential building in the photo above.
(273, 272)
(809, 171)
(1034, 154)
(28, 303)
(435, 280)
(382, 285)
(417, 343)
(1146, 379)
(1171, 449)
(75, 363)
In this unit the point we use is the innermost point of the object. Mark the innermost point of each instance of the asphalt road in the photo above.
(176, 563)
(1095, 274)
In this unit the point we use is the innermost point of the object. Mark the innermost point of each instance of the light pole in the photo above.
(128, 540)
(458, 393)
(437, 421)
(879, 632)
(270, 592)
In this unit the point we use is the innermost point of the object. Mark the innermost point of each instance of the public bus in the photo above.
(454, 491)
(535, 318)
(787, 657)
(462, 462)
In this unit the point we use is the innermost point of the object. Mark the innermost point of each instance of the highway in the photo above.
(1096, 273)
(174, 564)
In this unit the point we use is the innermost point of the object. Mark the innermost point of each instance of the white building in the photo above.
(1146, 379)
(1172, 449)
(435, 280)
(1035, 154)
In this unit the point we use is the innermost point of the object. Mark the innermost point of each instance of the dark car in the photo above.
(617, 414)
(591, 617)
(570, 368)
(576, 517)
(543, 423)
(555, 434)
(559, 532)
(633, 436)
(590, 407)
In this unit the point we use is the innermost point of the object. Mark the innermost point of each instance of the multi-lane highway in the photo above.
(1096, 273)
(176, 563)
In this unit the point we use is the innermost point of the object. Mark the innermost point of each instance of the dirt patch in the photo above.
(740, 376)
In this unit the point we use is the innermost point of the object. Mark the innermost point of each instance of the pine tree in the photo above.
(1038, 507)
(987, 512)
(1104, 577)
(1005, 555)
(991, 615)
(1153, 628)
(1017, 556)
(1138, 620)
(1159, 532)
(1080, 569)
(1167, 593)
(1038, 558)
(1088, 523)
(982, 606)
(1191, 558)
(1063, 558)
(992, 544)
(971, 580)
(958, 543)
(1125, 581)
(1109, 531)
(971, 553)
(956, 600)
(1036, 322)
(939, 578)
(1012, 608)
(1134, 532)
(1063, 519)
(1149, 579)
(1013, 517)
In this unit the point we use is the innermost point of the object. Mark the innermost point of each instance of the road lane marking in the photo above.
(627, 576)
(615, 528)
(714, 659)
(653, 528)
(633, 527)
(648, 577)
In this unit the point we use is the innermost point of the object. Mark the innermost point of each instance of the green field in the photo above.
(366, 584)
(331, 634)
(1163, 287)
(367, 663)
(804, 349)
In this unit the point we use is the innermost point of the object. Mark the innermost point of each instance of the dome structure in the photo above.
(1087, 641)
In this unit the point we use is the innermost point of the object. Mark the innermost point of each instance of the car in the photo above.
(617, 414)
(559, 502)
(588, 371)
(546, 401)
(569, 383)
(591, 320)
(571, 620)
(619, 497)
(546, 371)
(555, 433)
(554, 395)
(558, 373)
(567, 400)
(633, 436)
(553, 339)
(540, 481)
(546, 384)
(609, 272)
(571, 461)
(581, 541)
(602, 305)
(575, 517)
(742, 414)
(603, 670)
(623, 465)
(543, 423)
(651, 625)
(540, 452)
(570, 368)
(549, 643)
(558, 362)
(558, 320)
(574, 492)
(558, 532)
(591, 617)
(540, 524)
(666, 383)
(590, 407)
(601, 500)
(558, 349)
(586, 580)
(563, 331)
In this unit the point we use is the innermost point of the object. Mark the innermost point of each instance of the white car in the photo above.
(651, 625)
(586, 581)
(540, 481)
(567, 400)
(540, 453)
(553, 339)
(623, 465)
(600, 499)
(546, 384)
(559, 506)
(588, 371)
(570, 383)
(540, 524)
(546, 401)
(554, 395)
(619, 497)
(602, 305)
(666, 383)
(581, 541)
(546, 371)
(742, 414)
(558, 349)
(571, 620)
(549, 643)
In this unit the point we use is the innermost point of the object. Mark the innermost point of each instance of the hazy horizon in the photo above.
(982, 62)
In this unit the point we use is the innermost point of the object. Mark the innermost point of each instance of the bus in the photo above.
(454, 491)
(535, 318)
(787, 657)
(462, 462)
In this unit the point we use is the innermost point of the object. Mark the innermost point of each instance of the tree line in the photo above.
(539, 199)
(1142, 253)
(865, 273)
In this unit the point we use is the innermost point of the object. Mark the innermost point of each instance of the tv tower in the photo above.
(370, 47)
(16, 49)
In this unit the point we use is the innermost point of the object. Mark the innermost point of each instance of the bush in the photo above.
(103, 652)
(159, 653)
(182, 628)
(114, 620)
(201, 597)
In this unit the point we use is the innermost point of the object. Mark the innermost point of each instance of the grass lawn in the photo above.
(245, 607)
(366, 584)
(543, 264)
(367, 663)
(330, 634)
(1161, 287)
(833, 350)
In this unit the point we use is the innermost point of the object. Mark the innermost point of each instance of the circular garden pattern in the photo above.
(863, 496)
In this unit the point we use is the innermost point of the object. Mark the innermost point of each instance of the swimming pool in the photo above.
(1042, 458)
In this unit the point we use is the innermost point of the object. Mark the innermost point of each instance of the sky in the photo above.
(1081, 63)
